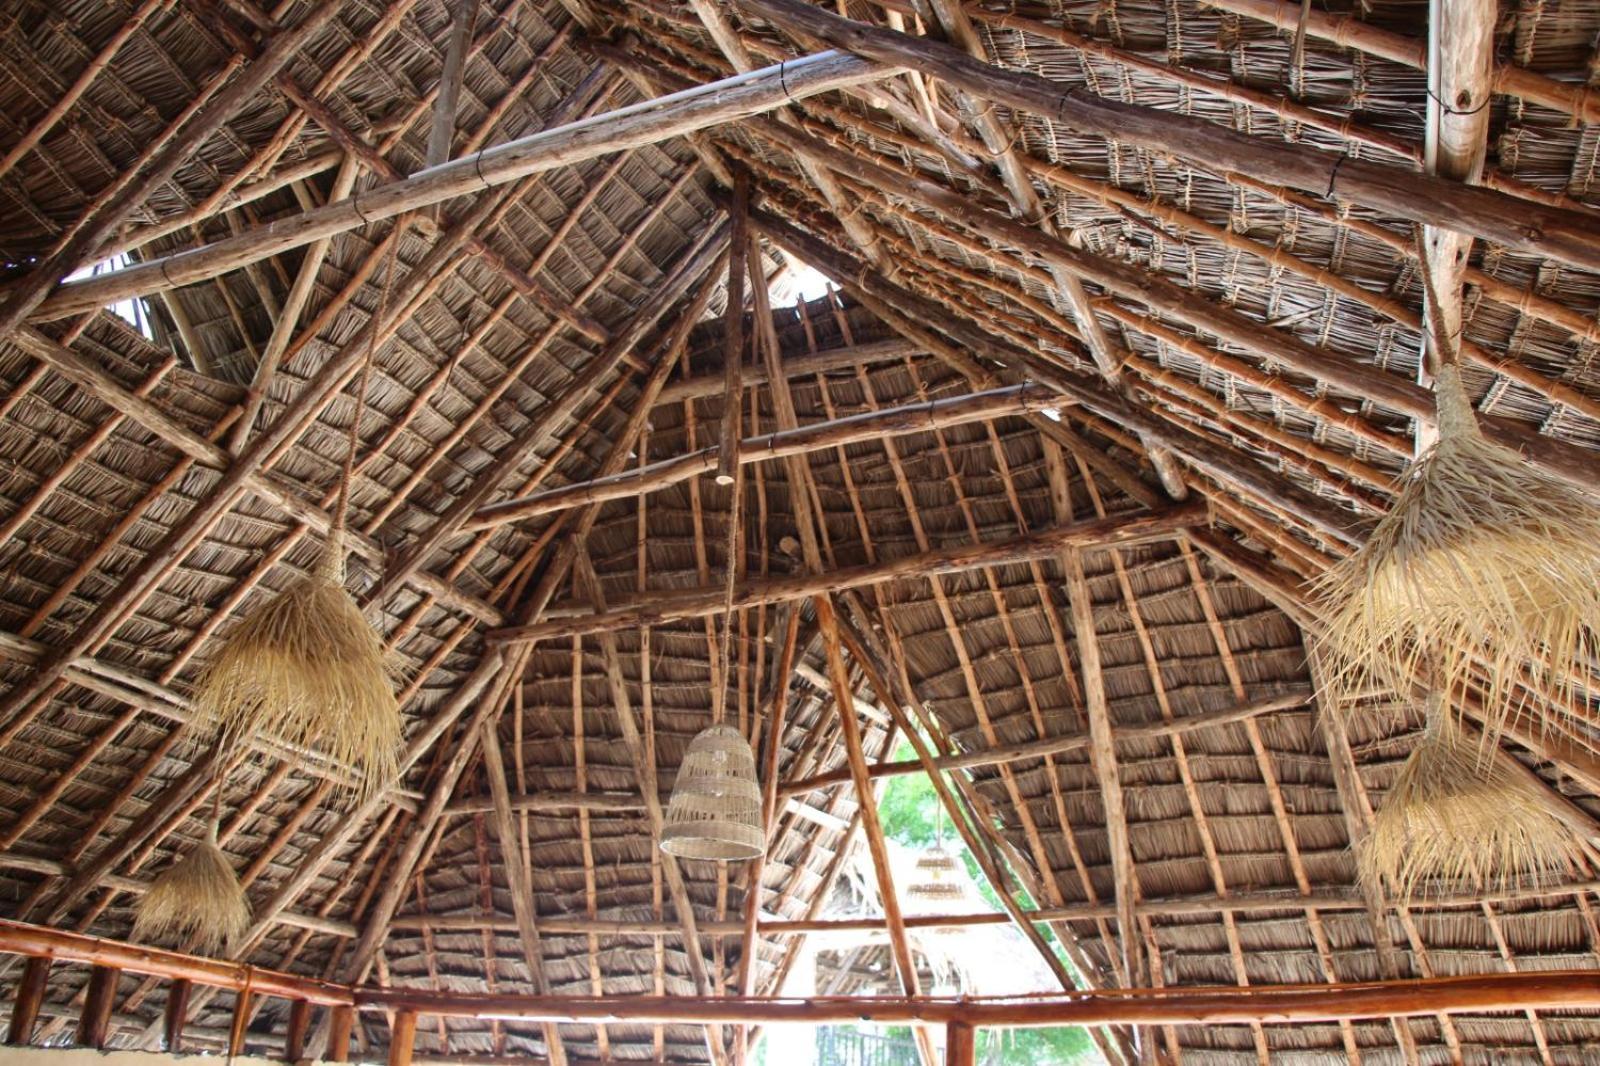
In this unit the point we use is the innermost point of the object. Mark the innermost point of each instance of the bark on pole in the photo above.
(1570, 236)
(728, 100)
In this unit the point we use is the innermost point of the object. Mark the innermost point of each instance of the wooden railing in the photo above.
(962, 1017)
(110, 959)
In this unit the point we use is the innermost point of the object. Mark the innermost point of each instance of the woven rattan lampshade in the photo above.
(939, 878)
(715, 811)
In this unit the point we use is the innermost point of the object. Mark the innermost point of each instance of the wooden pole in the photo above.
(1570, 98)
(523, 903)
(341, 1022)
(1570, 236)
(728, 100)
(403, 1038)
(960, 1044)
(242, 1003)
(872, 425)
(103, 218)
(728, 442)
(442, 133)
(294, 1038)
(1212, 1005)
(645, 773)
(175, 1013)
(1038, 749)
(29, 998)
(658, 607)
(94, 1023)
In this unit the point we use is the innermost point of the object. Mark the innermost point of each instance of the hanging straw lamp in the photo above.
(197, 897)
(1484, 566)
(306, 668)
(715, 810)
(1459, 815)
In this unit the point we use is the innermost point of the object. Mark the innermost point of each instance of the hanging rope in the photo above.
(333, 558)
(731, 555)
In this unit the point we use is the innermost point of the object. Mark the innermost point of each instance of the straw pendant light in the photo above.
(715, 810)
(1484, 566)
(197, 897)
(307, 669)
(1459, 814)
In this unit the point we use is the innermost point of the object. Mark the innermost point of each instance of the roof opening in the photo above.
(133, 310)
(798, 280)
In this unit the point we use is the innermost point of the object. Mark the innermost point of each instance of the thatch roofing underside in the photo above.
(1239, 832)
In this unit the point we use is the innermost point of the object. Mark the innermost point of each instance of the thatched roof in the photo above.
(521, 325)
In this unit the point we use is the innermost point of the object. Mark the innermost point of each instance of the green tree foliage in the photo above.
(909, 811)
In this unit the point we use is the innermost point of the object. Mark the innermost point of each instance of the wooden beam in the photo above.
(298, 1026)
(1224, 1005)
(1159, 294)
(645, 773)
(872, 425)
(1107, 354)
(441, 135)
(1460, 59)
(176, 1011)
(31, 988)
(105, 216)
(1569, 236)
(656, 608)
(94, 1021)
(960, 1044)
(706, 251)
(727, 457)
(1102, 745)
(651, 121)
(523, 900)
(1038, 749)
(341, 1021)
(845, 356)
(1569, 98)
(403, 1039)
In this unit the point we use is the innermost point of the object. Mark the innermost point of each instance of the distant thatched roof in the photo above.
(1239, 832)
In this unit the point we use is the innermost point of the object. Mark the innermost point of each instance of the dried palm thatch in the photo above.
(1482, 560)
(308, 670)
(198, 897)
(1461, 814)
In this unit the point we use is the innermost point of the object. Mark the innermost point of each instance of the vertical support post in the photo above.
(443, 131)
(173, 1016)
(960, 1044)
(241, 1020)
(294, 1040)
(733, 331)
(30, 996)
(94, 1024)
(402, 1038)
(340, 1023)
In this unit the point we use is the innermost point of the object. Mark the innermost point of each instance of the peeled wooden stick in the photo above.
(646, 123)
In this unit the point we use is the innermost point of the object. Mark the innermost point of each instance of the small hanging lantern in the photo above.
(715, 811)
(938, 878)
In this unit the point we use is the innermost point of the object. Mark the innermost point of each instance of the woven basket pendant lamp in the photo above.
(715, 810)
(1483, 566)
(306, 668)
